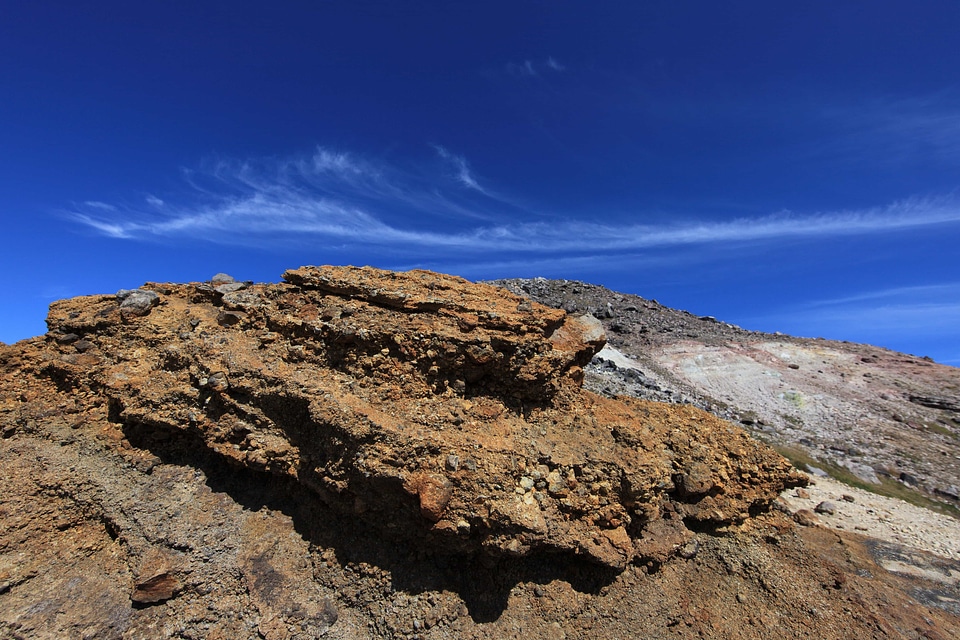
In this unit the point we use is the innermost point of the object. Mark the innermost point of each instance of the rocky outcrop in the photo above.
(356, 453)
(420, 400)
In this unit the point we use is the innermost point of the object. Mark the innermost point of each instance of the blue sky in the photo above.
(783, 167)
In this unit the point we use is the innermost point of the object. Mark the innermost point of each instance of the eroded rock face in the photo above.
(414, 400)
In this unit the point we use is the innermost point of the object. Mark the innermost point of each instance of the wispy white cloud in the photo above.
(914, 294)
(524, 68)
(96, 204)
(345, 198)
(531, 68)
(154, 201)
(463, 174)
(925, 316)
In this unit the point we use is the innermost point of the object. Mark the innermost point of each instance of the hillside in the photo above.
(887, 421)
(355, 453)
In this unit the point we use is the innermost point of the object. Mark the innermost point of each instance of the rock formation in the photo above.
(416, 397)
(148, 434)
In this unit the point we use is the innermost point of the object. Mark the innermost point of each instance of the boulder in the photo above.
(453, 411)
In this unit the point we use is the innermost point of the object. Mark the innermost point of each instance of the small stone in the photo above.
(527, 483)
(538, 591)
(156, 580)
(556, 483)
(155, 589)
(828, 508)
(909, 479)
(453, 462)
(690, 550)
(802, 493)
(221, 278)
(793, 365)
(230, 287)
(218, 381)
(137, 302)
(847, 498)
(805, 518)
(230, 318)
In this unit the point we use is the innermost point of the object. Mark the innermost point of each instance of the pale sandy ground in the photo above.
(879, 517)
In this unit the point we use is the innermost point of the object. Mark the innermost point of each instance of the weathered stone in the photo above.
(221, 278)
(354, 404)
(137, 302)
(826, 507)
(230, 287)
(937, 402)
(156, 581)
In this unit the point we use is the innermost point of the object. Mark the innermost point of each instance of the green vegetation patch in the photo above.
(936, 427)
(793, 397)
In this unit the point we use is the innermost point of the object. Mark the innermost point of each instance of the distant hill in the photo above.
(883, 420)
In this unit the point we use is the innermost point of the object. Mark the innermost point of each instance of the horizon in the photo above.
(788, 169)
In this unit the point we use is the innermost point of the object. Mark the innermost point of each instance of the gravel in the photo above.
(879, 517)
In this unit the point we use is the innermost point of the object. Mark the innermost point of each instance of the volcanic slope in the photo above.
(356, 453)
(881, 420)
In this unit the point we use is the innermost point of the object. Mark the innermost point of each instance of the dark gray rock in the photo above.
(137, 302)
(230, 287)
(937, 402)
(828, 508)
(906, 478)
(243, 299)
(453, 462)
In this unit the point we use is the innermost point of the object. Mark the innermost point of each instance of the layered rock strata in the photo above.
(451, 410)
